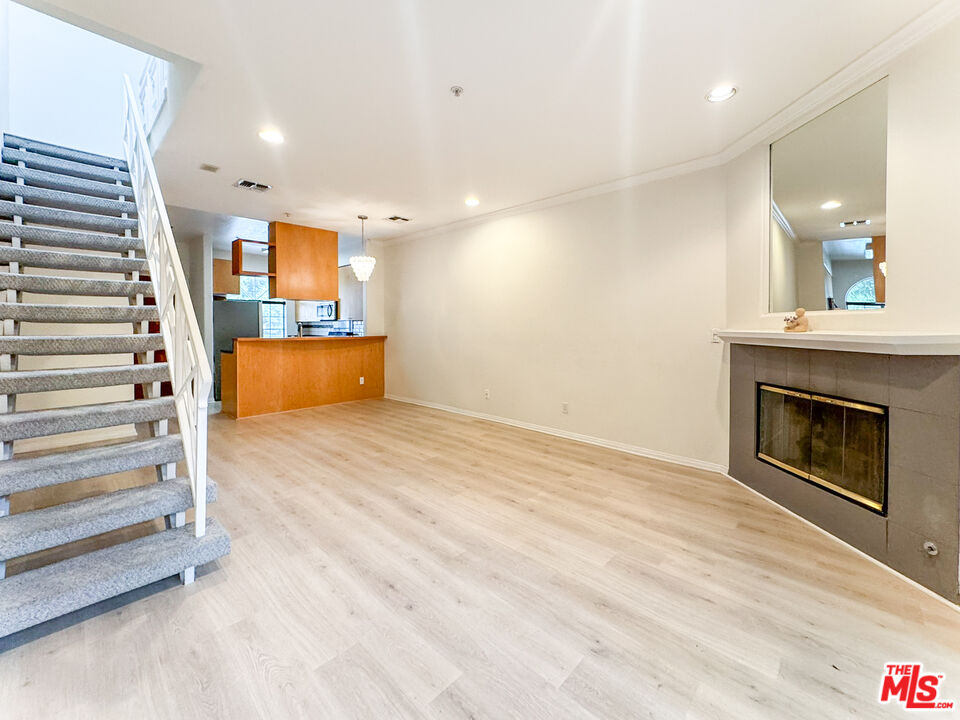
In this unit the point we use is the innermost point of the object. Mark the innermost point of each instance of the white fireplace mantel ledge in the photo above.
(867, 341)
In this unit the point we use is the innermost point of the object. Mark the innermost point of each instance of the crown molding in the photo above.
(782, 221)
(870, 67)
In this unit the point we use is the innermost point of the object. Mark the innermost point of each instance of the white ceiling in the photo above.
(848, 249)
(841, 156)
(560, 94)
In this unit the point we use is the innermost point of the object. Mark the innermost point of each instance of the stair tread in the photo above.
(56, 237)
(56, 181)
(80, 344)
(72, 261)
(22, 474)
(65, 153)
(55, 313)
(38, 595)
(64, 167)
(25, 424)
(14, 382)
(29, 532)
(65, 285)
(66, 200)
(67, 218)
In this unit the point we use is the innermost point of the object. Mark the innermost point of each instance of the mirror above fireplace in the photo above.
(828, 209)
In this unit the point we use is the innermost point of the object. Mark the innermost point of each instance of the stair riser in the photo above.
(42, 424)
(65, 167)
(32, 473)
(51, 237)
(49, 592)
(54, 181)
(78, 313)
(67, 218)
(48, 197)
(71, 261)
(93, 345)
(79, 287)
(16, 383)
(38, 530)
(57, 151)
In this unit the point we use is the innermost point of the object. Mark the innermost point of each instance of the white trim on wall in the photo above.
(567, 435)
(859, 74)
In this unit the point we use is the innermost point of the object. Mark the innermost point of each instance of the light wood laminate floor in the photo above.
(391, 561)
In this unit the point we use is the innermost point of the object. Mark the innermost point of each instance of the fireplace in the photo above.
(837, 444)
(863, 444)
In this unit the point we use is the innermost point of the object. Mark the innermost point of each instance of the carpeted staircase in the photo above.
(64, 211)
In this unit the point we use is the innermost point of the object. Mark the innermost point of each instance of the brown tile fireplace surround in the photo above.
(893, 497)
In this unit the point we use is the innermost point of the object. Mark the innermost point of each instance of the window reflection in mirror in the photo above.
(828, 181)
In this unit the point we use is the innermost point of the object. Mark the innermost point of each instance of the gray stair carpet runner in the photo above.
(76, 316)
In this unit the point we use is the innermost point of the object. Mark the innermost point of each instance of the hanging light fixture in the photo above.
(362, 264)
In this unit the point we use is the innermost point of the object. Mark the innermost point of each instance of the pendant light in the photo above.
(362, 264)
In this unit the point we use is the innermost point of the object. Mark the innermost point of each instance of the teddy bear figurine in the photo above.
(798, 322)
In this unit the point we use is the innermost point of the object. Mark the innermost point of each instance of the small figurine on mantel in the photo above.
(797, 322)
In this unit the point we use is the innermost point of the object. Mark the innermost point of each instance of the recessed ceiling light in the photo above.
(721, 93)
(271, 135)
(831, 205)
(471, 202)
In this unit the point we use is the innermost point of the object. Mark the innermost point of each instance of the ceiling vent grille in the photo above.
(398, 219)
(207, 167)
(251, 185)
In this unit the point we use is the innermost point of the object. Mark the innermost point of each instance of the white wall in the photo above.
(4, 64)
(783, 270)
(196, 256)
(605, 303)
(65, 83)
(923, 154)
(846, 273)
(811, 276)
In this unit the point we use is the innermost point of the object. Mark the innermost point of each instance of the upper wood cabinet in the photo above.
(224, 281)
(302, 262)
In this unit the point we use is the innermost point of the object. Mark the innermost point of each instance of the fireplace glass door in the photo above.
(838, 444)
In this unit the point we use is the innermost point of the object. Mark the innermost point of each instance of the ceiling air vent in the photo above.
(251, 185)
(207, 167)
(398, 219)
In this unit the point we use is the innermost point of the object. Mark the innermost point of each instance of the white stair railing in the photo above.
(186, 357)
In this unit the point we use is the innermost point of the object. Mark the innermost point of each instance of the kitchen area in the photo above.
(289, 325)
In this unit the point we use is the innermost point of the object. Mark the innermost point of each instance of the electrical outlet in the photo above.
(486, 394)
(361, 379)
(564, 408)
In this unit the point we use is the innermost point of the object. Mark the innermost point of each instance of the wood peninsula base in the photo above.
(264, 375)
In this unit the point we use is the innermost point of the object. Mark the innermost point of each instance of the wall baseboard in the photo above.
(675, 460)
(858, 551)
(567, 435)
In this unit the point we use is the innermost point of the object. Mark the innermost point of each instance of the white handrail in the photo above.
(186, 356)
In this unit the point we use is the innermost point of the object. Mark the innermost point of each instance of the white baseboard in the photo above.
(588, 439)
(858, 551)
(676, 460)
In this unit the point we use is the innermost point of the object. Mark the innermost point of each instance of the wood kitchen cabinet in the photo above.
(302, 262)
(224, 281)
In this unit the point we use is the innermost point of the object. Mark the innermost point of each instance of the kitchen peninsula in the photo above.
(264, 375)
